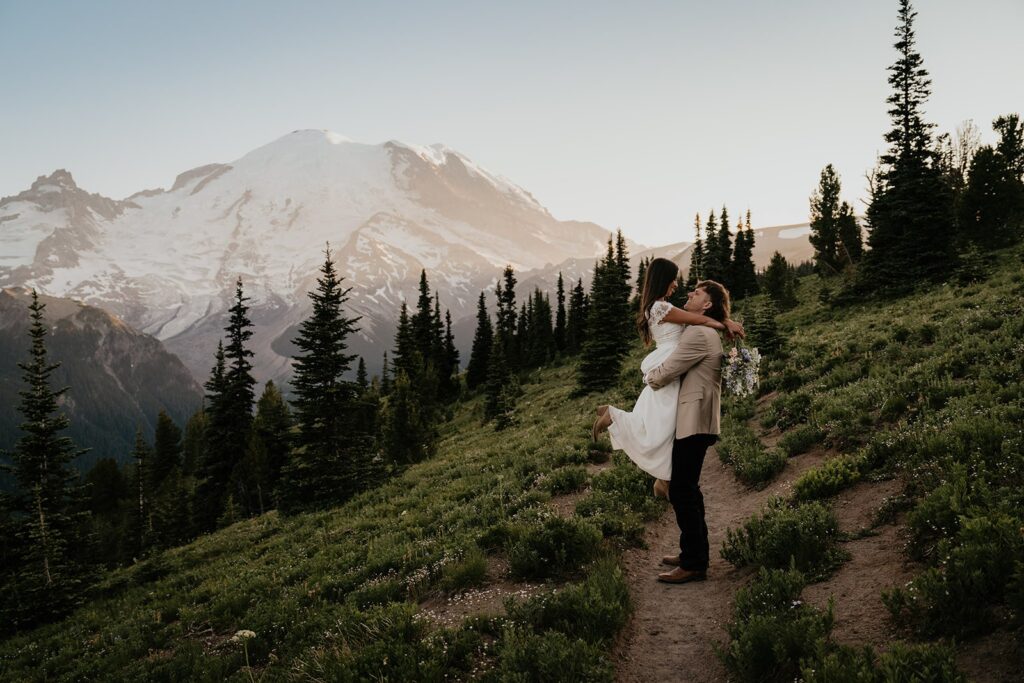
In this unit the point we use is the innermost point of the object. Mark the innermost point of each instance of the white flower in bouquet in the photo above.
(739, 371)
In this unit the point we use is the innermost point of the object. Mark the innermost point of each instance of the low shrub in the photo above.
(593, 610)
(829, 478)
(612, 517)
(469, 571)
(753, 463)
(527, 657)
(901, 664)
(772, 630)
(788, 410)
(977, 569)
(800, 440)
(803, 535)
(630, 485)
(553, 547)
(566, 480)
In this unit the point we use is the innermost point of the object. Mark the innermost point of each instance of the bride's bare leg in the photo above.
(601, 423)
(661, 488)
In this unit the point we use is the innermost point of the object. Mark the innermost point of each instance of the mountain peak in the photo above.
(58, 180)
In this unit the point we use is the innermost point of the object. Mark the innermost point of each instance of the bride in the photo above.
(646, 433)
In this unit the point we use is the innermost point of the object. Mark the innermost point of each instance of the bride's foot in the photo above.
(601, 424)
(661, 488)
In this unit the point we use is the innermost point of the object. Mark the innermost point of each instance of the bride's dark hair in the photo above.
(659, 275)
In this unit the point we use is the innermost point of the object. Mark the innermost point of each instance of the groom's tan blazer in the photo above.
(698, 356)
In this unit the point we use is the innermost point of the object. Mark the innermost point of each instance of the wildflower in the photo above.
(244, 634)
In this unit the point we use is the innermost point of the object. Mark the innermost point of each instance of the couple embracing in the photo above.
(676, 418)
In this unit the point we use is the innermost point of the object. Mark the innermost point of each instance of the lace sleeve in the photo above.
(659, 309)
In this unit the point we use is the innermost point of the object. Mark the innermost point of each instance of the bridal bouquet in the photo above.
(739, 371)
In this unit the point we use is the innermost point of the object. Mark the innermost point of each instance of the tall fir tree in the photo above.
(695, 272)
(450, 360)
(141, 524)
(991, 211)
(408, 435)
(166, 450)
(825, 216)
(714, 261)
(385, 376)
(560, 315)
(362, 379)
(506, 324)
(273, 425)
(910, 213)
(406, 356)
(779, 282)
(576, 319)
(725, 249)
(744, 277)
(483, 340)
(542, 338)
(422, 320)
(43, 575)
(323, 468)
(851, 243)
(604, 347)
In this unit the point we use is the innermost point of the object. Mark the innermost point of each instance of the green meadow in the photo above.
(926, 389)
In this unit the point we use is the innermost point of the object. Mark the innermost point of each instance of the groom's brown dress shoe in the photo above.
(679, 575)
(671, 560)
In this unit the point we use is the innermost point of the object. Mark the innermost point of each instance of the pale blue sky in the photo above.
(628, 114)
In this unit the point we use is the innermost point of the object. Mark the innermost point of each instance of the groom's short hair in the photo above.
(719, 296)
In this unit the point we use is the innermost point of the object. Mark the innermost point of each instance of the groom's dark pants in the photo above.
(688, 501)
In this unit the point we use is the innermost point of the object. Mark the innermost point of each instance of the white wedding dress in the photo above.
(646, 434)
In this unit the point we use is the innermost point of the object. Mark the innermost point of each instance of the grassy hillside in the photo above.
(926, 389)
(334, 595)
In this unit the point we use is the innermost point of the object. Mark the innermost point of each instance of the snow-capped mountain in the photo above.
(166, 260)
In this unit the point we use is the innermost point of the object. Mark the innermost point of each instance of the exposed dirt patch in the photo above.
(856, 507)
(449, 610)
(996, 657)
(564, 505)
(876, 564)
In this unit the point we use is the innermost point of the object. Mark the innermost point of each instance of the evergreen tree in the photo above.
(641, 271)
(713, 262)
(992, 203)
(362, 380)
(501, 390)
(385, 376)
(604, 348)
(407, 356)
(725, 249)
(542, 338)
(522, 341)
(322, 470)
(422, 321)
(166, 450)
(450, 360)
(215, 465)
(697, 257)
(910, 214)
(483, 340)
(141, 524)
(851, 244)
(273, 426)
(437, 348)
(763, 329)
(408, 434)
(576, 320)
(193, 445)
(779, 282)
(560, 316)
(506, 324)
(744, 277)
(43, 575)
(825, 203)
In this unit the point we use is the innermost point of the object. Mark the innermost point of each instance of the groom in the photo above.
(698, 357)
